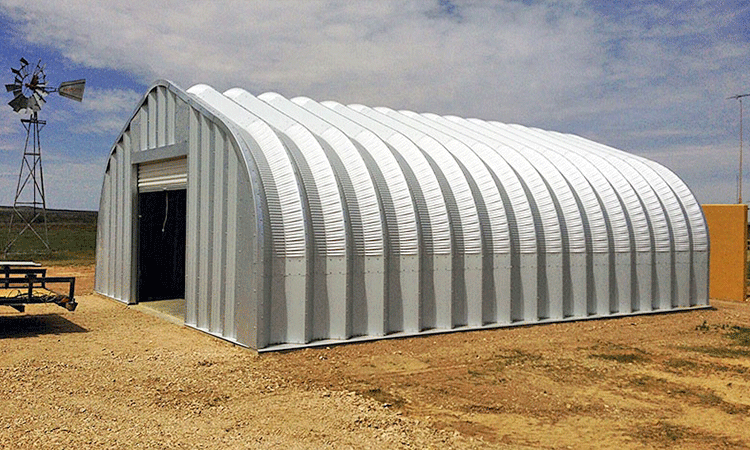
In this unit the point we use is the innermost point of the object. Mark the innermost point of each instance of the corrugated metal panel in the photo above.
(575, 180)
(675, 216)
(394, 191)
(430, 203)
(693, 209)
(211, 245)
(680, 234)
(203, 221)
(456, 189)
(571, 222)
(535, 183)
(357, 185)
(192, 257)
(151, 111)
(437, 300)
(280, 182)
(315, 171)
(544, 231)
(655, 213)
(364, 305)
(603, 192)
(485, 190)
(163, 175)
(636, 215)
(522, 227)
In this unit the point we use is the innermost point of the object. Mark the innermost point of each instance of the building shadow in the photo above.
(36, 325)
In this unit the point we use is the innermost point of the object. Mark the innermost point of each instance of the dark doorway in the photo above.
(161, 261)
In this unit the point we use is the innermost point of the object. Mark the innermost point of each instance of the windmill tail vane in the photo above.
(72, 89)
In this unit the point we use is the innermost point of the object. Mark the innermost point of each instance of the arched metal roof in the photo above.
(316, 222)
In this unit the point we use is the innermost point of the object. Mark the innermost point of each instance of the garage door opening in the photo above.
(161, 261)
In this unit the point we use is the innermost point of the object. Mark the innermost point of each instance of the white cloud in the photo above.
(645, 78)
(532, 61)
(393, 52)
(105, 111)
(80, 180)
(10, 130)
(69, 183)
(110, 101)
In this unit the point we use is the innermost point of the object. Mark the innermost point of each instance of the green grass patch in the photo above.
(623, 358)
(622, 354)
(719, 352)
(740, 335)
(71, 236)
(513, 358)
(682, 364)
(386, 398)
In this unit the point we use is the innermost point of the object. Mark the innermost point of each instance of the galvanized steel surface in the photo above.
(311, 223)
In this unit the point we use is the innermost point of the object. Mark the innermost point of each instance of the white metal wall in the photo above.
(312, 223)
(162, 132)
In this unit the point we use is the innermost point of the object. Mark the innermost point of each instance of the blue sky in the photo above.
(650, 78)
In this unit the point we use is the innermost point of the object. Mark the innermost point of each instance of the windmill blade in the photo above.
(24, 62)
(72, 89)
(41, 88)
(18, 103)
(33, 104)
(16, 88)
(39, 99)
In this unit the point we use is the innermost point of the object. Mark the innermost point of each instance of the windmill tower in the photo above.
(29, 90)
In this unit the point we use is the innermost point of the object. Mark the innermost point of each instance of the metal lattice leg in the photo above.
(29, 204)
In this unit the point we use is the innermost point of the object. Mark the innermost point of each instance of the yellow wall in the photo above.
(727, 228)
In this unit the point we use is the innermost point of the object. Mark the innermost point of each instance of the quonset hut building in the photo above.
(288, 223)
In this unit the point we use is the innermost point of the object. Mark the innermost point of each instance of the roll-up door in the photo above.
(169, 174)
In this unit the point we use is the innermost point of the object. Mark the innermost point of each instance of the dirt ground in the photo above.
(109, 376)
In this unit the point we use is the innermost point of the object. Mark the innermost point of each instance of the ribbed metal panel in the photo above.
(680, 236)
(636, 215)
(456, 189)
(543, 228)
(571, 222)
(655, 214)
(357, 185)
(392, 185)
(693, 209)
(313, 223)
(485, 190)
(525, 165)
(315, 171)
(430, 203)
(516, 200)
(279, 180)
(600, 188)
(584, 197)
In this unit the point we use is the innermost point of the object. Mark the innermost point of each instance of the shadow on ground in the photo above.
(36, 325)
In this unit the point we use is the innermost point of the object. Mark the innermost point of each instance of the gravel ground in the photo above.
(109, 376)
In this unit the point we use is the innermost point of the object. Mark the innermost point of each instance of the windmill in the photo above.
(29, 89)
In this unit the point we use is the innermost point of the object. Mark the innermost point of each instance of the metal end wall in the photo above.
(313, 222)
